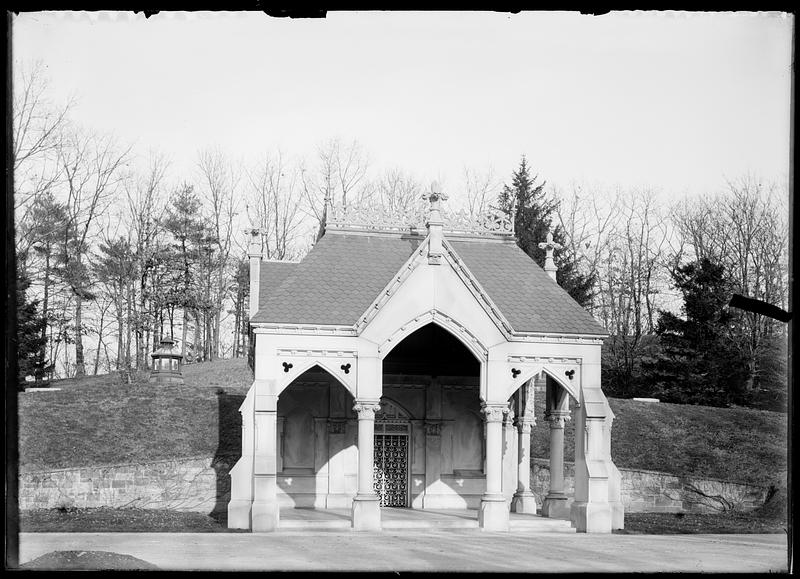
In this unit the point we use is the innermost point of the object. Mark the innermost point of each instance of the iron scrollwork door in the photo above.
(391, 469)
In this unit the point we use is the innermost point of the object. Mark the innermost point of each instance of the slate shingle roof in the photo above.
(343, 274)
(336, 282)
(526, 295)
(273, 273)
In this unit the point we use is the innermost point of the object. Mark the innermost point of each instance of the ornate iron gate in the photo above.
(391, 469)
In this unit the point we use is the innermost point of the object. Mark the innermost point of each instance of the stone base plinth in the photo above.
(366, 513)
(591, 517)
(338, 501)
(265, 516)
(556, 507)
(493, 513)
(239, 513)
(524, 503)
(617, 515)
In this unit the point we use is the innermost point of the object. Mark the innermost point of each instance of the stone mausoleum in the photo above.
(396, 366)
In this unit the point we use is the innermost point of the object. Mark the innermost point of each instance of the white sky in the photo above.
(675, 101)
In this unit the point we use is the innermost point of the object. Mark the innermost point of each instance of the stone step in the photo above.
(540, 524)
(518, 523)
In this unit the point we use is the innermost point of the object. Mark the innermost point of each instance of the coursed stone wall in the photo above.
(203, 485)
(645, 491)
(190, 484)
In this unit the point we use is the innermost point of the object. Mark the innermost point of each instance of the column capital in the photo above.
(494, 412)
(525, 423)
(557, 419)
(366, 409)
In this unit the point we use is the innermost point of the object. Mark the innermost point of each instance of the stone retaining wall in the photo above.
(203, 485)
(645, 491)
(189, 484)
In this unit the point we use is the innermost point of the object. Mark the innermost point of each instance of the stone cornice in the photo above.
(302, 329)
(316, 353)
(522, 359)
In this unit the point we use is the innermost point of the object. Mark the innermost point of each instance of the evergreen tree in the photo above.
(698, 363)
(30, 339)
(533, 219)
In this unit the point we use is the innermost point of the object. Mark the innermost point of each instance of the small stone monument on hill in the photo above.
(166, 364)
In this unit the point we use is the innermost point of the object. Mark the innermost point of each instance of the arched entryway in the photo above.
(435, 379)
(316, 448)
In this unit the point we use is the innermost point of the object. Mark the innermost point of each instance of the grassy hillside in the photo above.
(96, 421)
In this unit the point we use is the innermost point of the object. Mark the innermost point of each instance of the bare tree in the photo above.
(143, 204)
(36, 125)
(632, 265)
(93, 169)
(220, 192)
(339, 175)
(481, 188)
(587, 215)
(273, 205)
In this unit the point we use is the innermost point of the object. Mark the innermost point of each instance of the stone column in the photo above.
(524, 500)
(265, 512)
(555, 503)
(241, 501)
(493, 514)
(366, 514)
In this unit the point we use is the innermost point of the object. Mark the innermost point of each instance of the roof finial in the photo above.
(549, 245)
(435, 223)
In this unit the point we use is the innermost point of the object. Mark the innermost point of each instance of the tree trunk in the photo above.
(120, 323)
(80, 367)
(128, 302)
(183, 332)
(43, 352)
(99, 342)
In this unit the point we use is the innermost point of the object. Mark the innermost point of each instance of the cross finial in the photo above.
(549, 245)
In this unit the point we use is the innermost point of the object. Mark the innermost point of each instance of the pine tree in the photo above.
(698, 364)
(533, 219)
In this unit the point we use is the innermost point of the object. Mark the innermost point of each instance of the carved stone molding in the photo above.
(311, 353)
(303, 329)
(525, 424)
(366, 409)
(494, 412)
(434, 316)
(433, 428)
(554, 338)
(337, 426)
(522, 359)
(490, 223)
(557, 419)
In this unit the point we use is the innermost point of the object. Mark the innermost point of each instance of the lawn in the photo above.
(99, 421)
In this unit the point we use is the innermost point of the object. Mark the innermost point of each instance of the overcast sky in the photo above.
(673, 101)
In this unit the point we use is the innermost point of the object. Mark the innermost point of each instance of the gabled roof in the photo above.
(336, 282)
(525, 294)
(344, 272)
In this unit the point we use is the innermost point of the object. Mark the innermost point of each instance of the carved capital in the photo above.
(494, 412)
(433, 428)
(557, 419)
(336, 426)
(525, 424)
(366, 409)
